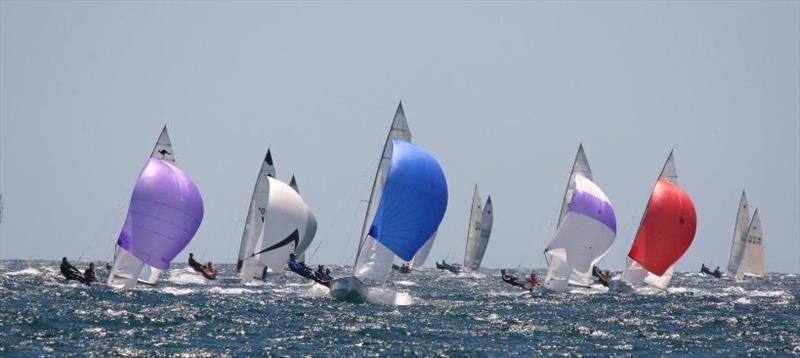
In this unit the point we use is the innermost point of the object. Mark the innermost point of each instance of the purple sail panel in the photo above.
(165, 211)
(594, 207)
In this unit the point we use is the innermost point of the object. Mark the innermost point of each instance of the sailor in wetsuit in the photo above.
(299, 267)
(89, 275)
(602, 276)
(71, 272)
(323, 274)
(194, 264)
(532, 282)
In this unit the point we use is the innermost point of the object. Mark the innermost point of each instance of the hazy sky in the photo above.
(501, 93)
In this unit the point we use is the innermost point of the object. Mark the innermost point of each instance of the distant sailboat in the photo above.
(311, 228)
(587, 228)
(478, 232)
(408, 201)
(277, 221)
(164, 214)
(665, 233)
(747, 250)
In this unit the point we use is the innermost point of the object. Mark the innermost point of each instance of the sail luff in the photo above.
(399, 129)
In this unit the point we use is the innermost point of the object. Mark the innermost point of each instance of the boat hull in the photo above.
(349, 289)
(619, 285)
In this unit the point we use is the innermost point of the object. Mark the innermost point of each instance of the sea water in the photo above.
(427, 313)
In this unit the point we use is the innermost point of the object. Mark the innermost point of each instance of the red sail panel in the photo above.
(667, 229)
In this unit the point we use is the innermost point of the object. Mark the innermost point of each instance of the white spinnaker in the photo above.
(311, 227)
(580, 166)
(125, 271)
(423, 252)
(373, 260)
(285, 223)
(634, 273)
(254, 222)
(581, 241)
(752, 263)
(739, 236)
(473, 231)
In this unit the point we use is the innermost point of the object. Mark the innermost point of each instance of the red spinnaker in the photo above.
(667, 229)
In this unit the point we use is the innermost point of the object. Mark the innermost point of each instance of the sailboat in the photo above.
(277, 221)
(164, 214)
(311, 227)
(479, 231)
(586, 230)
(407, 203)
(747, 250)
(665, 233)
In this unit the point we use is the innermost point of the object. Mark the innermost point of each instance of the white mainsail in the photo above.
(285, 223)
(374, 260)
(254, 222)
(311, 227)
(739, 236)
(752, 262)
(473, 231)
(634, 273)
(127, 268)
(478, 232)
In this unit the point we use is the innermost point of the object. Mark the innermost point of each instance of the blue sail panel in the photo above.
(414, 200)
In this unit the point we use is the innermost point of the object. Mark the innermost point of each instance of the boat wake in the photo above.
(28, 271)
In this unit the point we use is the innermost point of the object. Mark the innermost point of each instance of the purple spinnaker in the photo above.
(165, 211)
(596, 208)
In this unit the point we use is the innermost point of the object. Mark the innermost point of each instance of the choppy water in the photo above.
(425, 313)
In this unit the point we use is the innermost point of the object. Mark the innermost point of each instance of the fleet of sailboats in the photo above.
(407, 203)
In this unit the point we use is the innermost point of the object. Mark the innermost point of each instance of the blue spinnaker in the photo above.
(413, 202)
